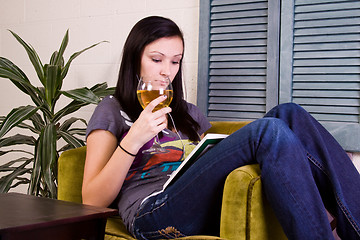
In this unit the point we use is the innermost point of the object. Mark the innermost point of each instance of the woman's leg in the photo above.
(192, 204)
(336, 176)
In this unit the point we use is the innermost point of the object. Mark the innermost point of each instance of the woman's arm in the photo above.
(106, 164)
(105, 170)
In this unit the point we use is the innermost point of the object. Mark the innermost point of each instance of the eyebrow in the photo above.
(180, 54)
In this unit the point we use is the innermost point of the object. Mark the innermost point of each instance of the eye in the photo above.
(156, 60)
(176, 62)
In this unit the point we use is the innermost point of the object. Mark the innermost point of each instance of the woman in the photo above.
(303, 168)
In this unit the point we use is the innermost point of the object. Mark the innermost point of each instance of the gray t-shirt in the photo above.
(148, 173)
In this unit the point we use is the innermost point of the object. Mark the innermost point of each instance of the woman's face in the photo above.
(162, 57)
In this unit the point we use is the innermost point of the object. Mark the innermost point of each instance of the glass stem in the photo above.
(156, 140)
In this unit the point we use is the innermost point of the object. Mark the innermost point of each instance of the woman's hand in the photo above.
(146, 126)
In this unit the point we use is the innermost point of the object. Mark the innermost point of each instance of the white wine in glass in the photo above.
(148, 89)
(146, 96)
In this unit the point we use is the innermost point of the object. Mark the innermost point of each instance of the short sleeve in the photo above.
(109, 116)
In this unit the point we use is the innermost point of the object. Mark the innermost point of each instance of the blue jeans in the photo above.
(303, 170)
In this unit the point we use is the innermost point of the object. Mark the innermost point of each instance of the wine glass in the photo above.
(149, 88)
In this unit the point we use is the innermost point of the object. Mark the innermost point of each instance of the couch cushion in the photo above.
(116, 228)
(70, 174)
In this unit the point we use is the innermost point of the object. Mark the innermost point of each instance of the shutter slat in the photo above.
(225, 2)
(237, 79)
(327, 23)
(246, 50)
(326, 93)
(337, 39)
(331, 6)
(349, 111)
(326, 30)
(325, 15)
(239, 29)
(327, 78)
(341, 118)
(240, 7)
(243, 64)
(327, 54)
(237, 93)
(238, 57)
(326, 86)
(241, 36)
(248, 14)
(239, 21)
(237, 100)
(236, 72)
(237, 107)
(238, 86)
(338, 45)
(327, 62)
(329, 101)
(326, 70)
(238, 43)
(314, 2)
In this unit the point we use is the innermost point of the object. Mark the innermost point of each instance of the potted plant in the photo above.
(44, 126)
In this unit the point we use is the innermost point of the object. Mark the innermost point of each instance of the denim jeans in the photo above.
(303, 171)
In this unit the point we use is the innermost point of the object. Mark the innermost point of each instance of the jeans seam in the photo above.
(348, 215)
(339, 202)
(294, 198)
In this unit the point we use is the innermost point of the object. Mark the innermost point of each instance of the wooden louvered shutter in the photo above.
(238, 58)
(320, 64)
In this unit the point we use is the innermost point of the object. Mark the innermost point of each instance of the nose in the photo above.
(165, 70)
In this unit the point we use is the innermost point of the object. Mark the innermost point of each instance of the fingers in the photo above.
(151, 106)
(150, 123)
(159, 121)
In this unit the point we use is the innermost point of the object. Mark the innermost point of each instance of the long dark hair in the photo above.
(143, 33)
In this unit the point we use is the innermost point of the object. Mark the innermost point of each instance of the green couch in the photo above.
(245, 212)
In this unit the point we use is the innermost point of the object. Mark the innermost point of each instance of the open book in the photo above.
(210, 140)
(203, 146)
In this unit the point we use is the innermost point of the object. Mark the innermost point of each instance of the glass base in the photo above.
(155, 149)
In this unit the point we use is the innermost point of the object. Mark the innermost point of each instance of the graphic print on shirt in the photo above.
(153, 164)
(126, 118)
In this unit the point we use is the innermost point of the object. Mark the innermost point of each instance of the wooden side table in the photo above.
(28, 217)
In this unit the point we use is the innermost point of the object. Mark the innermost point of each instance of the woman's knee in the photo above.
(270, 125)
(290, 106)
(286, 111)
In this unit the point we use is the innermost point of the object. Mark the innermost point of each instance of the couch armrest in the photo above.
(245, 212)
(70, 174)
